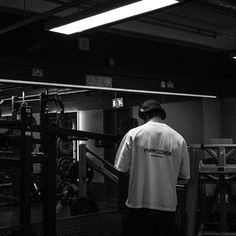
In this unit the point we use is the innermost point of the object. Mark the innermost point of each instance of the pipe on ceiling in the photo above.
(227, 4)
(38, 17)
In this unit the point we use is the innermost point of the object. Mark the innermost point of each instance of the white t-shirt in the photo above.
(155, 156)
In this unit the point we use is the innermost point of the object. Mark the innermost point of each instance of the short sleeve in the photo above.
(185, 164)
(123, 155)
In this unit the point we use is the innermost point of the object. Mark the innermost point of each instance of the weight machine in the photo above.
(218, 215)
(22, 160)
(211, 215)
(46, 156)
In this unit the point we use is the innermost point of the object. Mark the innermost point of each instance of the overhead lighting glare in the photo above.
(233, 55)
(114, 15)
(74, 86)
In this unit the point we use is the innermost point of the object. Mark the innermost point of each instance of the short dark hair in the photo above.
(152, 113)
(151, 105)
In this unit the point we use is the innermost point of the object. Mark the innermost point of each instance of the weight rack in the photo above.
(24, 163)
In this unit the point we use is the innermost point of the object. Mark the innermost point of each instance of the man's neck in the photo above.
(155, 119)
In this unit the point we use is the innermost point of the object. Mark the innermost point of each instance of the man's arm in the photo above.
(184, 173)
(123, 155)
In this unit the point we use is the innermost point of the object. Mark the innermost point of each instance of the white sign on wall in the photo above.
(117, 102)
(98, 81)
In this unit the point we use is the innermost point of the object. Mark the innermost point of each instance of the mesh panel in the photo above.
(108, 223)
(37, 228)
(100, 224)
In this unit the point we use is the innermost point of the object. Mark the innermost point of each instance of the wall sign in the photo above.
(98, 81)
(117, 102)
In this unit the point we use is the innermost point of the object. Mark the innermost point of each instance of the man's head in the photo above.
(150, 109)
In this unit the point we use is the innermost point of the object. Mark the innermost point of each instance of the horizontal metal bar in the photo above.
(71, 132)
(212, 146)
(50, 93)
(74, 138)
(203, 146)
(6, 152)
(218, 172)
(6, 185)
(28, 100)
(213, 233)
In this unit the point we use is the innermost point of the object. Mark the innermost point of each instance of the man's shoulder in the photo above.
(136, 129)
(175, 133)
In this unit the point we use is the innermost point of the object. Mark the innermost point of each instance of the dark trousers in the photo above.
(148, 222)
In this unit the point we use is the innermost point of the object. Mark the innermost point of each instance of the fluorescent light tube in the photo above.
(74, 86)
(114, 15)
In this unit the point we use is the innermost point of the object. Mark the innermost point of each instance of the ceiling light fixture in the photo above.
(114, 15)
(233, 55)
(74, 86)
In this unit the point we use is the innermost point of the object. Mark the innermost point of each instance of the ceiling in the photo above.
(207, 27)
(208, 24)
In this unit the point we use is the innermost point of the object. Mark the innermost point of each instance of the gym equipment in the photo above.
(24, 162)
(68, 186)
(187, 210)
(47, 158)
(111, 173)
(65, 121)
(74, 175)
(219, 211)
(65, 147)
(214, 215)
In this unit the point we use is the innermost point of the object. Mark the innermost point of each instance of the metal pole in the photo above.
(25, 205)
(48, 146)
(14, 107)
(82, 171)
(192, 194)
(222, 189)
(49, 186)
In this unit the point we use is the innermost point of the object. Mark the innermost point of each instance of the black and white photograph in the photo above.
(117, 117)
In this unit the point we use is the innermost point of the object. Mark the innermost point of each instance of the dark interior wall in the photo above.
(228, 118)
(61, 70)
(199, 121)
(211, 119)
(185, 117)
(127, 52)
(138, 63)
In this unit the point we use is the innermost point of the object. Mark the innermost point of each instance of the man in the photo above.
(154, 155)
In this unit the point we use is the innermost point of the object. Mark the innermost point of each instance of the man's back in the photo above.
(157, 155)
